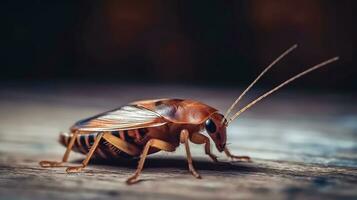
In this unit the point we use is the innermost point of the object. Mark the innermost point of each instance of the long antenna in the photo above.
(256, 79)
(281, 85)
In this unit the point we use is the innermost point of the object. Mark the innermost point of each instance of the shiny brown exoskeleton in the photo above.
(145, 127)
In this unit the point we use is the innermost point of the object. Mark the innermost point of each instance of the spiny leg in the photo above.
(198, 138)
(184, 136)
(121, 144)
(162, 145)
(89, 155)
(46, 163)
(233, 157)
(115, 141)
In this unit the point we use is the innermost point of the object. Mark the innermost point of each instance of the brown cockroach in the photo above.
(146, 127)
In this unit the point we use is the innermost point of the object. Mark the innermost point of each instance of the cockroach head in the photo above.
(217, 130)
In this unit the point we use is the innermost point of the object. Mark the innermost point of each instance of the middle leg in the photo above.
(184, 139)
(162, 145)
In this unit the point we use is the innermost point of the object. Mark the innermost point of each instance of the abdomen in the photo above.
(105, 150)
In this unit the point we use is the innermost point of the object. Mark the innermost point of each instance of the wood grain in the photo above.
(303, 147)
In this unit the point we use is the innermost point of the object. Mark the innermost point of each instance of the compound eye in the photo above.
(210, 126)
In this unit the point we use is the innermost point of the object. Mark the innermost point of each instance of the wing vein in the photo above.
(124, 118)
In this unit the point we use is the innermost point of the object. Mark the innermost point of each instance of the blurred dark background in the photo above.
(223, 43)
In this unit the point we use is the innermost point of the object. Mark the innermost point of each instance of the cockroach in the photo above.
(149, 126)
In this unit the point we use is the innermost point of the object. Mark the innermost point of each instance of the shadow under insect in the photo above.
(178, 163)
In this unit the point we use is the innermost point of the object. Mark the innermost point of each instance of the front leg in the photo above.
(198, 138)
(233, 157)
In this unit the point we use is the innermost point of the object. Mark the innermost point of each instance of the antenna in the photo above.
(286, 52)
(281, 85)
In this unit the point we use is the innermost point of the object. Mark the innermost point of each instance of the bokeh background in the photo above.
(62, 61)
(223, 43)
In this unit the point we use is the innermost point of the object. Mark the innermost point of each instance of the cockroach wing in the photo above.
(124, 118)
(179, 111)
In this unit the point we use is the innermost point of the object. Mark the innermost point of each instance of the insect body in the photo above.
(146, 127)
(161, 119)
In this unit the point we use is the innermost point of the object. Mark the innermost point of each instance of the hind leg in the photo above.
(117, 142)
(89, 155)
(46, 163)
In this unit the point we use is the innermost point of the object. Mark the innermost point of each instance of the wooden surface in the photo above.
(303, 146)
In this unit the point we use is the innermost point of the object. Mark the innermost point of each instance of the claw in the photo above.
(241, 158)
(133, 179)
(194, 173)
(214, 158)
(74, 169)
(46, 164)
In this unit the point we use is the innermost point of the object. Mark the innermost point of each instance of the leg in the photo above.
(239, 158)
(89, 155)
(184, 139)
(46, 163)
(151, 143)
(120, 144)
(198, 138)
